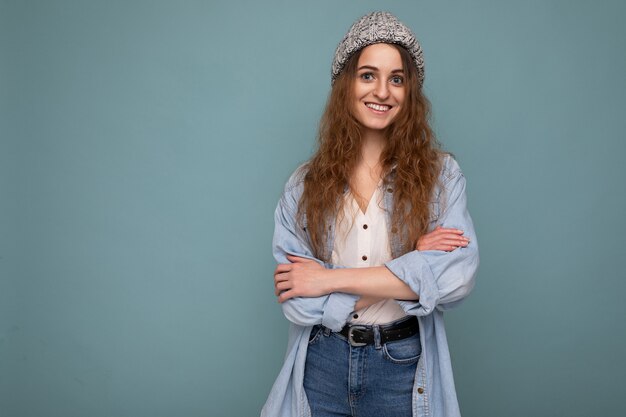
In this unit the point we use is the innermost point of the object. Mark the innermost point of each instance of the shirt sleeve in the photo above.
(442, 279)
(330, 310)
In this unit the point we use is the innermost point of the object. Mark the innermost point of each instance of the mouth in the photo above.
(379, 108)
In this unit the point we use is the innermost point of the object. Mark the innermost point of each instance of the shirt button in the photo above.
(356, 316)
(420, 390)
(364, 226)
(364, 257)
(390, 190)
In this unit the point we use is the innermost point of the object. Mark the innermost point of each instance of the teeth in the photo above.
(377, 107)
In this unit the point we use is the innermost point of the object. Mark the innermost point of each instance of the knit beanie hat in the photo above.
(377, 27)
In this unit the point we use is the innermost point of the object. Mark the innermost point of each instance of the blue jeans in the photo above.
(360, 381)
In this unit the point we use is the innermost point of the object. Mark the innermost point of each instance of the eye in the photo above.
(367, 76)
(397, 80)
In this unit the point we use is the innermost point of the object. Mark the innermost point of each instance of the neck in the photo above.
(372, 147)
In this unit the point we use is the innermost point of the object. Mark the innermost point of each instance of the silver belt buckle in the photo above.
(350, 338)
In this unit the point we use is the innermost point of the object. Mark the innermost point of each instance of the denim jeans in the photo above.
(360, 381)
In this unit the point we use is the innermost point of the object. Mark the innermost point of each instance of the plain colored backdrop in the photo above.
(144, 145)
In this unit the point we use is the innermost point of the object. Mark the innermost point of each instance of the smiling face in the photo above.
(379, 87)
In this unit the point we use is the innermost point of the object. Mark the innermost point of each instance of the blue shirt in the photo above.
(441, 279)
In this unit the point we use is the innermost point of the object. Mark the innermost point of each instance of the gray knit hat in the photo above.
(377, 27)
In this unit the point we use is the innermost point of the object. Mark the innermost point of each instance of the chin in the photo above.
(375, 128)
(377, 124)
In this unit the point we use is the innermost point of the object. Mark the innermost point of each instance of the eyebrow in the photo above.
(376, 69)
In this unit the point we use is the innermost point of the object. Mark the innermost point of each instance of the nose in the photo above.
(381, 91)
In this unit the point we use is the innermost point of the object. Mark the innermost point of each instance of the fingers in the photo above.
(446, 248)
(281, 283)
(446, 233)
(282, 274)
(280, 268)
(442, 232)
(293, 278)
(442, 238)
(281, 277)
(293, 258)
(281, 287)
(296, 263)
(447, 238)
(286, 295)
(453, 241)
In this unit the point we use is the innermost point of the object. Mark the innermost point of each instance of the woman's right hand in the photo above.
(442, 238)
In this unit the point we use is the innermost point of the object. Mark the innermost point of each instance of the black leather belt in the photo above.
(359, 335)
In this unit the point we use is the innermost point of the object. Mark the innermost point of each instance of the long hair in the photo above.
(411, 152)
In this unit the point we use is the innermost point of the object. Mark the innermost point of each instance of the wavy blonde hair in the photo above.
(411, 148)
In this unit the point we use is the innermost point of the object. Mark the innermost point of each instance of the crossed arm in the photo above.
(440, 273)
(304, 277)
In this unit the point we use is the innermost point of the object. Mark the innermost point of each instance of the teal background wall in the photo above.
(144, 145)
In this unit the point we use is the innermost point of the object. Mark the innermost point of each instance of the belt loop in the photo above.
(377, 345)
(327, 331)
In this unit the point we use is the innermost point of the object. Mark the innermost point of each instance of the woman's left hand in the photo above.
(442, 238)
(301, 278)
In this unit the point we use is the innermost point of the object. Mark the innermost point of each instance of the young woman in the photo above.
(373, 242)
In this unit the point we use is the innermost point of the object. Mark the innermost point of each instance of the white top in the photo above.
(361, 240)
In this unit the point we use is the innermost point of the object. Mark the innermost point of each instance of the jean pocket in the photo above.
(315, 334)
(404, 352)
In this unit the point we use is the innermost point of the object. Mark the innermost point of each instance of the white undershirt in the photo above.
(361, 240)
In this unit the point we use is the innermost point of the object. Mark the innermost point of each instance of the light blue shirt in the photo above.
(441, 279)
